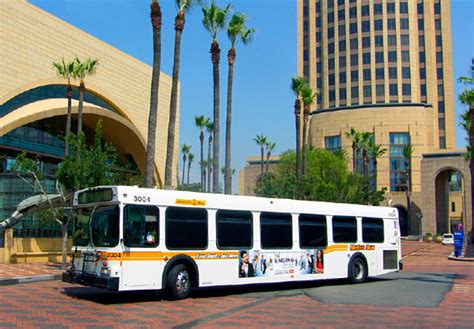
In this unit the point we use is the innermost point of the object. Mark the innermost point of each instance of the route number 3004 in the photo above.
(138, 198)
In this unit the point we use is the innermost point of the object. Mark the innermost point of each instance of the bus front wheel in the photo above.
(357, 270)
(178, 282)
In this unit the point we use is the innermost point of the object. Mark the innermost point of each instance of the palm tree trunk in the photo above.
(268, 160)
(301, 137)
(262, 154)
(215, 54)
(179, 27)
(354, 165)
(189, 170)
(304, 140)
(228, 125)
(156, 22)
(184, 166)
(375, 174)
(203, 182)
(68, 119)
(298, 140)
(408, 192)
(209, 164)
(82, 89)
(471, 166)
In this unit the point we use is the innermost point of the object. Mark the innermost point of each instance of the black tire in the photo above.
(178, 282)
(357, 270)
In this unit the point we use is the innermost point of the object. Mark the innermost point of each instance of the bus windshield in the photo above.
(105, 226)
(81, 227)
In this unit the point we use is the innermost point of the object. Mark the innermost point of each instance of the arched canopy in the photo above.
(116, 129)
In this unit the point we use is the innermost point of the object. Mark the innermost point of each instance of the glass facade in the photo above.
(35, 137)
(48, 92)
(397, 161)
(332, 143)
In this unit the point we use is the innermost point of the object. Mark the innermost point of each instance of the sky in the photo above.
(262, 99)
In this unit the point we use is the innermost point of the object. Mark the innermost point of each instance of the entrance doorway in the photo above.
(403, 219)
(450, 201)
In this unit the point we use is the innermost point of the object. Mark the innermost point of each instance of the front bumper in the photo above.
(91, 280)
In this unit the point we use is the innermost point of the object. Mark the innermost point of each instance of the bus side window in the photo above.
(186, 228)
(313, 231)
(275, 230)
(234, 229)
(141, 226)
(344, 229)
(372, 230)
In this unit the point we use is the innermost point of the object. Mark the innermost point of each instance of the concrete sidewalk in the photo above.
(29, 272)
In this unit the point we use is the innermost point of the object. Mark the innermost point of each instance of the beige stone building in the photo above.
(385, 67)
(32, 96)
(33, 103)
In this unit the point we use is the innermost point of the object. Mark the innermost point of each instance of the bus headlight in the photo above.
(105, 271)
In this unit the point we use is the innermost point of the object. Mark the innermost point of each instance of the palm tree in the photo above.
(356, 138)
(204, 164)
(236, 31)
(407, 153)
(261, 141)
(210, 130)
(183, 6)
(190, 161)
(66, 70)
(232, 172)
(297, 84)
(214, 19)
(82, 69)
(270, 147)
(467, 98)
(375, 151)
(308, 97)
(366, 138)
(201, 122)
(185, 150)
(156, 23)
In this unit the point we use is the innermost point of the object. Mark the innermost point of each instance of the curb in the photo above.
(29, 279)
(461, 259)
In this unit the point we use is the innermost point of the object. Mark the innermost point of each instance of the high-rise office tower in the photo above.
(382, 66)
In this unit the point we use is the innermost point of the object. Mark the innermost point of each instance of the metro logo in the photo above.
(362, 247)
(192, 202)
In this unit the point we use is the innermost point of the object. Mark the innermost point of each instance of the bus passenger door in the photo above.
(141, 263)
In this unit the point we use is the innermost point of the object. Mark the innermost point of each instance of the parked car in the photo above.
(447, 239)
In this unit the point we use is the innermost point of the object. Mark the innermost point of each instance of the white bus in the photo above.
(129, 238)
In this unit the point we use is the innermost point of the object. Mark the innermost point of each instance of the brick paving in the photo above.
(57, 305)
(8, 271)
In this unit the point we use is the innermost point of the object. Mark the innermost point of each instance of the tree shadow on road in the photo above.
(268, 290)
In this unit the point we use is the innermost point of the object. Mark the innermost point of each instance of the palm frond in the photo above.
(307, 95)
(466, 80)
(237, 30)
(187, 5)
(210, 126)
(297, 84)
(215, 18)
(467, 97)
(261, 140)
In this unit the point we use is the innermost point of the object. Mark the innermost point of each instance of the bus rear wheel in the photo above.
(357, 270)
(178, 282)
